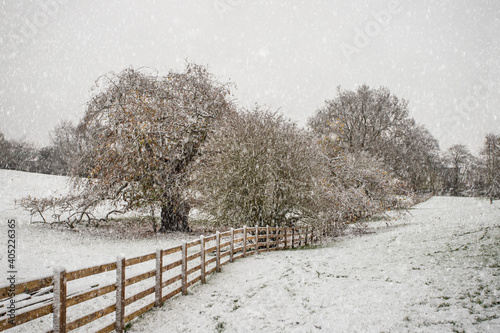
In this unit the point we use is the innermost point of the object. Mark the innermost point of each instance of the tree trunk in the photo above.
(174, 216)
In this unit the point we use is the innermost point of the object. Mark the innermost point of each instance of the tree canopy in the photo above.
(141, 132)
(377, 122)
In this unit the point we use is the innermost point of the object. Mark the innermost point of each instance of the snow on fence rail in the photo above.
(56, 303)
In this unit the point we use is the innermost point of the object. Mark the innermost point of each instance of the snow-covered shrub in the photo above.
(358, 187)
(260, 168)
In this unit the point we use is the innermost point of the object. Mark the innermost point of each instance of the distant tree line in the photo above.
(172, 143)
(54, 159)
(377, 123)
(467, 175)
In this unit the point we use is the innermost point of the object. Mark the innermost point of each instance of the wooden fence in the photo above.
(45, 304)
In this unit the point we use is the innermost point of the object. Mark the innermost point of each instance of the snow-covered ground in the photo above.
(437, 270)
(39, 249)
(18, 184)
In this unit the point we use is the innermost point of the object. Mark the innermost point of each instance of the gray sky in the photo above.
(443, 56)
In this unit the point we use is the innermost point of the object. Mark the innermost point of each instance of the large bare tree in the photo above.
(364, 119)
(140, 134)
(376, 122)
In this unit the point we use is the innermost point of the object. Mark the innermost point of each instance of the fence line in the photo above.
(38, 299)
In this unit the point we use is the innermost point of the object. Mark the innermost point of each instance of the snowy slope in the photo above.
(18, 184)
(434, 271)
(437, 271)
(39, 249)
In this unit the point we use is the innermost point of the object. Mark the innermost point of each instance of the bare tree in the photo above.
(364, 119)
(377, 122)
(459, 159)
(491, 154)
(141, 133)
(18, 155)
(415, 157)
(64, 146)
(259, 168)
(5, 153)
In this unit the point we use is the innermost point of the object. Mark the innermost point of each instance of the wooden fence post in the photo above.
(231, 246)
(59, 302)
(202, 249)
(257, 239)
(293, 237)
(244, 241)
(184, 268)
(279, 237)
(286, 238)
(120, 294)
(159, 277)
(267, 238)
(217, 252)
(307, 232)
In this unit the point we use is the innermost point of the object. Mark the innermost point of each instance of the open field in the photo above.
(434, 270)
(40, 248)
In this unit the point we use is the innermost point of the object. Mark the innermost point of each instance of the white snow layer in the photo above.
(40, 249)
(435, 271)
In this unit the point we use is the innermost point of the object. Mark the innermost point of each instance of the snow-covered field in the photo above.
(39, 248)
(437, 270)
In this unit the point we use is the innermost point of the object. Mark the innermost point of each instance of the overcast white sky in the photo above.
(443, 56)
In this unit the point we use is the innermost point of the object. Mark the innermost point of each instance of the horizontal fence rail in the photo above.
(113, 294)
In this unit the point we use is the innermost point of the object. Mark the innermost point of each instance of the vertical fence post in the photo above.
(293, 237)
(184, 268)
(279, 237)
(159, 277)
(267, 238)
(286, 238)
(244, 241)
(231, 246)
(257, 239)
(217, 252)
(59, 305)
(307, 232)
(202, 252)
(300, 236)
(120, 294)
